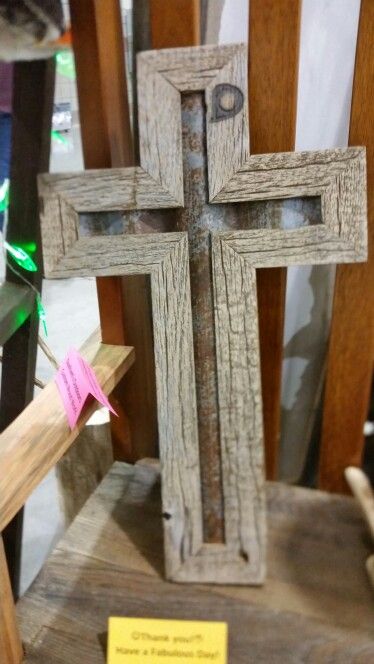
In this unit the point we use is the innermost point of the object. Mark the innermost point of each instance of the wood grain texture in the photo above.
(107, 141)
(160, 158)
(16, 304)
(228, 140)
(106, 126)
(351, 348)
(240, 393)
(179, 450)
(337, 177)
(274, 35)
(187, 71)
(295, 174)
(163, 25)
(110, 562)
(82, 468)
(117, 188)
(131, 295)
(305, 246)
(10, 642)
(174, 24)
(40, 435)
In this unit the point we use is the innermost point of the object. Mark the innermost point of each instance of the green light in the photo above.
(21, 257)
(30, 247)
(65, 64)
(4, 195)
(21, 316)
(41, 314)
(59, 137)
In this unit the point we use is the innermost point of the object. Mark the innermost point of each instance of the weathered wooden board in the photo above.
(110, 562)
(29, 448)
(40, 435)
(217, 535)
(83, 467)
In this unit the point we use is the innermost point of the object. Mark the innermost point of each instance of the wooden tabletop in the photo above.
(316, 606)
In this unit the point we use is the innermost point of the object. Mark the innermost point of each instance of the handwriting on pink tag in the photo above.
(76, 381)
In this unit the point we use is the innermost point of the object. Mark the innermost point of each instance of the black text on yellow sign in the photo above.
(142, 641)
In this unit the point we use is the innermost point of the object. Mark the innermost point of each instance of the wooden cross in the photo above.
(186, 217)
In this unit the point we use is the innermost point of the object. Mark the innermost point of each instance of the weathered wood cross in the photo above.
(203, 283)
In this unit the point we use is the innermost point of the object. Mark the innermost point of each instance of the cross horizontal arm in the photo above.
(293, 174)
(115, 255)
(104, 190)
(314, 245)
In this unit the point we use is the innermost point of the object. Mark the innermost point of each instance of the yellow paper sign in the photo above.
(142, 641)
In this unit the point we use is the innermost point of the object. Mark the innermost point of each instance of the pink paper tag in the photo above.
(76, 381)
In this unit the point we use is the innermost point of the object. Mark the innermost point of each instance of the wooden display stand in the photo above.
(29, 448)
(317, 599)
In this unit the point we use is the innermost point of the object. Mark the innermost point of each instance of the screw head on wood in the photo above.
(227, 101)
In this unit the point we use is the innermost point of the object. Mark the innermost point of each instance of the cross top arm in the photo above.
(337, 176)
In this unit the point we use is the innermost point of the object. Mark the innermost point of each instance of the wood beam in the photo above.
(274, 34)
(170, 25)
(10, 642)
(175, 24)
(107, 141)
(351, 348)
(31, 132)
(40, 435)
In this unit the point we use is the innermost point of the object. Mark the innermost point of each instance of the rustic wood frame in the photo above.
(337, 176)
